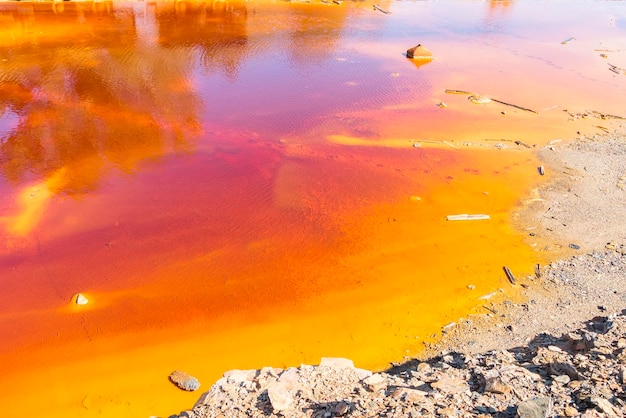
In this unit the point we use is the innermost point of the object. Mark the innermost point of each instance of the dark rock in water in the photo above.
(419, 52)
(184, 381)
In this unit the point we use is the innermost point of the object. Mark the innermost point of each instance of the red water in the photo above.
(234, 185)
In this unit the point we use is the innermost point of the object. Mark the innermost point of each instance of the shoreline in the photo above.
(578, 206)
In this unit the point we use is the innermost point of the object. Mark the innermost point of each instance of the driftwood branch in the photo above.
(452, 91)
(380, 9)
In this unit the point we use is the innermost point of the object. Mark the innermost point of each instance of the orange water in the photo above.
(234, 185)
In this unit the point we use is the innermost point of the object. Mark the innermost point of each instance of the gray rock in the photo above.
(534, 408)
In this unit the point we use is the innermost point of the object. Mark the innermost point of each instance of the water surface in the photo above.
(240, 184)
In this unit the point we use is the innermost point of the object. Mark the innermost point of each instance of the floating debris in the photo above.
(380, 9)
(184, 381)
(567, 41)
(480, 99)
(538, 270)
(574, 246)
(467, 217)
(509, 275)
(80, 299)
(616, 69)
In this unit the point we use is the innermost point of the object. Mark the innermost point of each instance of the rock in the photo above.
(375, 382)
(534, 408)
(80, 299)
(559, 368)
(562, 379)
(184, 381)
(337, 363)
(606, 407)
(290, 378)
(450, 385)
(280, 398)
(419, 52)
(414, 395)
(340, 409)
(495, 385)
(570, 411)
(362, 373)
(240, 376)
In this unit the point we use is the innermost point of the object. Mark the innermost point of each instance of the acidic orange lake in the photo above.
(241, 184)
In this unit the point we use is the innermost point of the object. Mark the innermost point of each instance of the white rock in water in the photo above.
(80, 299)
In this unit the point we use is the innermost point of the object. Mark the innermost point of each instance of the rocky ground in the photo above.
(560, 353)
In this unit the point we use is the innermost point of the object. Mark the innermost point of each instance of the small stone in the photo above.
(337, 363)
(450, 385)
(80, 299)
(606, 407)
(239, 376)
(375, 382)
(447, 412)
(340, 409)
(414, 395)
(184, 381)
(419, 52)
(534, 408)
(570, 411)
(563, 379)
(280, 398)
(362, 373)
(495, 385)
